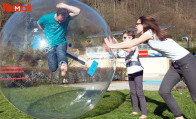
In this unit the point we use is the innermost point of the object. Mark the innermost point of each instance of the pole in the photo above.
(187, 40)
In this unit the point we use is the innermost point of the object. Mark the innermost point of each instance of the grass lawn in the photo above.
(117, 105)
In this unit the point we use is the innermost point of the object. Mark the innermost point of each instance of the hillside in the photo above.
(122, 14)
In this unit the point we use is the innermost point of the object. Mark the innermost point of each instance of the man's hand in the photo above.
(61, 5)
(40, 27)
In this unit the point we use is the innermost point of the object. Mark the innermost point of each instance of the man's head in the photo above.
(61, 15)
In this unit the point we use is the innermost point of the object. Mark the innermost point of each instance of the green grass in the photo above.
(51, 101)
(117, 105)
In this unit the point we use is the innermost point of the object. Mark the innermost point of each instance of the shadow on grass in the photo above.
(110, 101)
(1, 111)
(161, 107)
(56, 105)
(46, 107)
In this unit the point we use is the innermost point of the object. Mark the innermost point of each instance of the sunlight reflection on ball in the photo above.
(25, 78)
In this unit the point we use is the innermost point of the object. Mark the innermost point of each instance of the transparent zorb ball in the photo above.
(25, 78)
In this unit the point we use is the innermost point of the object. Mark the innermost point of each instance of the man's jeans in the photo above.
(56, 56)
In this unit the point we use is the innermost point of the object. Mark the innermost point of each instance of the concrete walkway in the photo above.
(150, 82)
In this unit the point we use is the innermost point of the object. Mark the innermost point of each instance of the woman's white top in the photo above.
(168, 48)
(132, 60)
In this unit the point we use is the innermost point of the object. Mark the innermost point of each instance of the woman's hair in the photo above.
(130, 33)
(150, 23)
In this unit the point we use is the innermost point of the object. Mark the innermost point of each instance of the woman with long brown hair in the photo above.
(183, 62)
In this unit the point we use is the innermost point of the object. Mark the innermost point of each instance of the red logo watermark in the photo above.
(16, 8)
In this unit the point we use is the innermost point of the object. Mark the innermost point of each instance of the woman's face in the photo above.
(127, 37)
(139, 26)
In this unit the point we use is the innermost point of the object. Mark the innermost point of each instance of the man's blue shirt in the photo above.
(54, 33)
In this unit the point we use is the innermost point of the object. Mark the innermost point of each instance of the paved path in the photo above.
(150, 82)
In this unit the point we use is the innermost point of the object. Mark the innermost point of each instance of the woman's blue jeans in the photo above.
(56, 56)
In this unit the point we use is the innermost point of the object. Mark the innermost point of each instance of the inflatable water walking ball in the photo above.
(25, 78)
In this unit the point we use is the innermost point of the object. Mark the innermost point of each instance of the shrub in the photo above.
(120, 74)
(192, 50)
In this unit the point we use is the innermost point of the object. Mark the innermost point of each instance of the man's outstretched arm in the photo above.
(73, 10)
